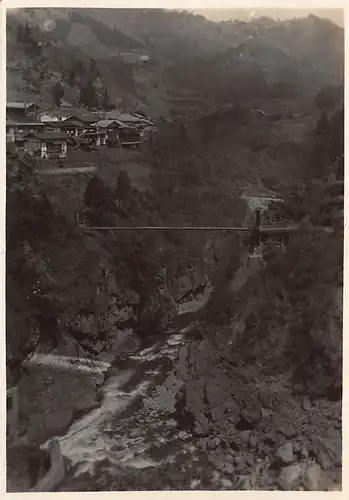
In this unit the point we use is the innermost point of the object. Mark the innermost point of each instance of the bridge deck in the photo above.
(262, 229)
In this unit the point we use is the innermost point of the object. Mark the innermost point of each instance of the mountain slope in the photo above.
(187, 51)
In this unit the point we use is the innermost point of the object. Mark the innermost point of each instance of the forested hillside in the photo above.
(259, 58)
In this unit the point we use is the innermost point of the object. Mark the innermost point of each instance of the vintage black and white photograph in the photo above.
(174, 249)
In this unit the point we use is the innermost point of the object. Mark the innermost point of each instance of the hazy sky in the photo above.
(335, 15)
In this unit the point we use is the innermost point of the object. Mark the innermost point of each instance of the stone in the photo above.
(289, 476)
(306, 404)
(270, 439)
(70, 390)
(312, 477)
(297, 447)
(217, 414)
(284, 454)
(256, 476)
(226, 483)
(249, 459)
(98, 347)
(119, 447)
(171, 423)
(251, 415)
(266, 399)
(228, 468)
(280, 440)
(304, 452)
(284, 426)
(212, 444)
(241, 464)
(244, 483)
(244, 437)
(183, 435)
(203, 445)
(136, 433)
(201, 428)
(264, 412)
(323, 453)
(252, 442)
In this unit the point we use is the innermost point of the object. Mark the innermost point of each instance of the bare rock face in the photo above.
(49, 394)
(188, 282)
(159, 311)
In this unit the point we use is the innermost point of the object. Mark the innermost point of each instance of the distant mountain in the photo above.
(218, 15)
(188, 52)
(306, 54)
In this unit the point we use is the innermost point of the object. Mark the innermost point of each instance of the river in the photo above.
(137, 428)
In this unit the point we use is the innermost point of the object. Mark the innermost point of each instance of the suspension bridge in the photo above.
(258, 232)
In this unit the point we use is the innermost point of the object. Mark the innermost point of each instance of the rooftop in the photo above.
(23, 120)
(126, 117)
(80, 114)
(66, 123)
(46, 136)
(107, 123)
(122, 117)
(18, 105)
(65, 104)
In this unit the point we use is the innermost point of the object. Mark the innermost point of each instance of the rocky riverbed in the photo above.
(174, 417)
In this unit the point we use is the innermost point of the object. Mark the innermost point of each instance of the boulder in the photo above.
(312, 477)
(183, 435)
(99, 346)
(289, 476)
(217, 414)
(285, 424)
(306, 404)
(50, 407)
(245, 437)
(284, 454)
(327, 452)
(251, 415)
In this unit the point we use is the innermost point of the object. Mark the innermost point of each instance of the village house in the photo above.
(21, 109)
(144, 120)
(130, 139)
(130, 120)
(109, 125)
(51, 126)
(62, 114)
(54, 115)
(46, 144)
(124, 119)
(72, 127)
(113, 140)
(17, 129)
(96, 137)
